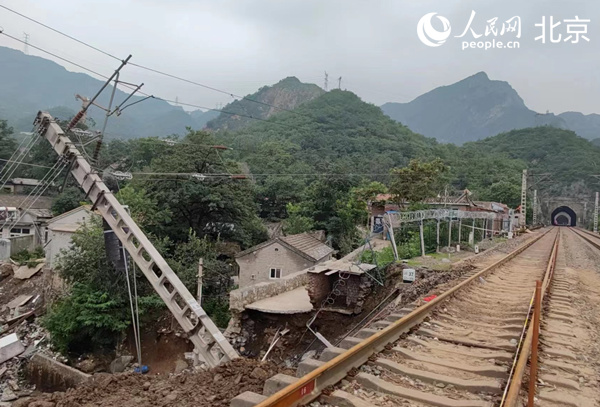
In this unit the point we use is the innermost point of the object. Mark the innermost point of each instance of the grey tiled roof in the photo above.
(303, 244)
(308, 245)
(43, 202)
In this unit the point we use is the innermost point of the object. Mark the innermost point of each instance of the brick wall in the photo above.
(319, 286)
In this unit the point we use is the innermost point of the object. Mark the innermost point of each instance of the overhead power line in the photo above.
(192, 82)
(31, 165)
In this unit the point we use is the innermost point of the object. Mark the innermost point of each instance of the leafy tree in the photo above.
(505, 192)
(86, 320)
(296, 222)
(7, 143)
(69, 199)
(211, 204)
(144, 209)
(418, 181)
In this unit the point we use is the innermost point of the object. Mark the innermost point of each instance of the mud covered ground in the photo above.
(214, 388)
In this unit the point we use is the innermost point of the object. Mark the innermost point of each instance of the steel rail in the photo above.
(310, 386)
(514, 386)
(586, 236)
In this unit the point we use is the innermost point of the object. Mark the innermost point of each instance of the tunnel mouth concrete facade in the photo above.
(564, 216)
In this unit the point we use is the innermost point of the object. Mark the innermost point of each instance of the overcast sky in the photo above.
(241, 45)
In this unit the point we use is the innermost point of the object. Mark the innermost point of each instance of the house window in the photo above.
(25, 231)
(275, 273)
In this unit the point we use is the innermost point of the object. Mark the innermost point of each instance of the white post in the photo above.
(522, 220)
(200, 270)
(484, 234)
(449, 233)
(459, 229)
(534, 220)
(437, 237)
(596, 213)
(422, 238)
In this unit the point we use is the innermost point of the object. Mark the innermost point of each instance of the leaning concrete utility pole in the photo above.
(522, 221)
(210, 344)
(596, 213)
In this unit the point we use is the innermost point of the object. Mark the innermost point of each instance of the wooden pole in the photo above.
(535, 342)
(449, 233)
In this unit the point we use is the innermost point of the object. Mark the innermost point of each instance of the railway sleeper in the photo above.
(497, 372)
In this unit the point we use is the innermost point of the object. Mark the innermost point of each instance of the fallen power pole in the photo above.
(210, 344)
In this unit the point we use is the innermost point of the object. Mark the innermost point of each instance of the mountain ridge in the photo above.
(468, 110)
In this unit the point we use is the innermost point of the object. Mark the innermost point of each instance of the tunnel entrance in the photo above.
(564, 216)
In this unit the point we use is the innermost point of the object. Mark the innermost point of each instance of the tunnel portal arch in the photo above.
(564, 216)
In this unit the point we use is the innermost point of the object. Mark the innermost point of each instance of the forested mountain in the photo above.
(469, 110)
(571, 160)
(336, 134)
(31, 83)
(286, 94)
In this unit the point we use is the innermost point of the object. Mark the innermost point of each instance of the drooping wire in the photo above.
(60, 165)
(135, 316)
(18, 160)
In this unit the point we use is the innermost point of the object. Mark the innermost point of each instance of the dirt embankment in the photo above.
(214, 388)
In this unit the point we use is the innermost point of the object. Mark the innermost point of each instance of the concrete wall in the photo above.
(21, 243)
(12, 245)
(259, 263)
(50, 375)
(241, 297)
(58, 241)
(78, 217)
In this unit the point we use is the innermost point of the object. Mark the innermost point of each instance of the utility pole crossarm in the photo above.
(210, 343)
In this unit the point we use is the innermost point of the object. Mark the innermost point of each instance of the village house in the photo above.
(22, 218)
(61, 229)
(280, 257)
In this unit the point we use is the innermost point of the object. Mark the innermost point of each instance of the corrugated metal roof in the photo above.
(308, 245)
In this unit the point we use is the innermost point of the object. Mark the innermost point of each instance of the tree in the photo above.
(505, 192)
(211, 203)
(69, 199)
(418, 181)
(296, 222)
(7, 143)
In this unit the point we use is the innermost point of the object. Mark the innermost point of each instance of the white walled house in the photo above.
(60, 231)
(279, 257)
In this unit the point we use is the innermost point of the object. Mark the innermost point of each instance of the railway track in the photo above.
(566, 370)
(458, 350)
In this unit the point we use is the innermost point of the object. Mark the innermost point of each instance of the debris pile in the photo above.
(215, 387)
(21, 291)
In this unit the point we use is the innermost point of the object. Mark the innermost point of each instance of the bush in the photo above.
(86, 320)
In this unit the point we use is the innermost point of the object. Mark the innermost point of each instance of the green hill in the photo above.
(571, 160)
